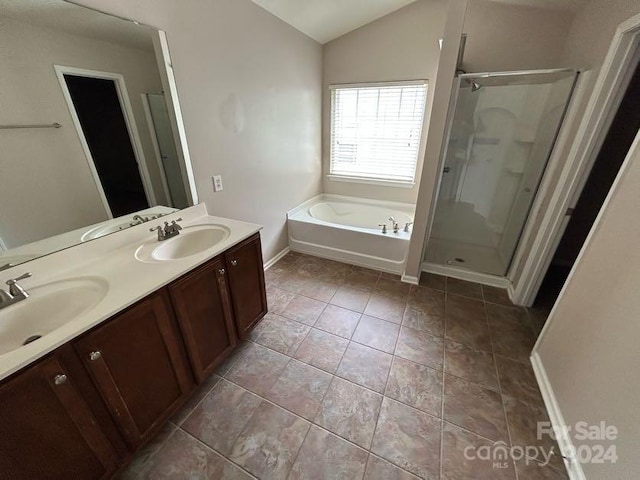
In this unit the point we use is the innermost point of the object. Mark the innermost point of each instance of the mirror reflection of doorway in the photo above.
(105, 130)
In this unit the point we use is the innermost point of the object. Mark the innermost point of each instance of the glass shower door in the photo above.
(502, 131)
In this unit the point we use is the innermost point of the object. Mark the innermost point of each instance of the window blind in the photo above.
(376, 130)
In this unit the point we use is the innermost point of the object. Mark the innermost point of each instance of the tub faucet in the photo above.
(15, 294)
(384, 227)
(407, 225)
(395, 224)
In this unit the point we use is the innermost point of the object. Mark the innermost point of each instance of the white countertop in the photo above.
(112, 259)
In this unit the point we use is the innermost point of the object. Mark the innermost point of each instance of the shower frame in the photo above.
(464, 273)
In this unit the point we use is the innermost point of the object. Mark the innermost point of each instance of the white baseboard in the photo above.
(574, 468)
(410, 279)
(277, 257)
(511, 291)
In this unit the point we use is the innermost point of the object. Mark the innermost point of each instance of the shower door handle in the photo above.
(446, 169)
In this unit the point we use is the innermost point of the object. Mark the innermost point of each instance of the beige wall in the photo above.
(400, 46)
(46, 187)
(590, 347)
(249, 86)
(503, 37)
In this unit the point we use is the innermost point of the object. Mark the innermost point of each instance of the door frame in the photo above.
(610, 86)
(127, 113)
(156, 146)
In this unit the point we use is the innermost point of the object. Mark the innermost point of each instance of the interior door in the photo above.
(103, 124)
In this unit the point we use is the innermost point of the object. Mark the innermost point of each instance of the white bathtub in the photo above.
(346, 229)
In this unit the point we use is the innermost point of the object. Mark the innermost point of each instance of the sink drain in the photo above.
(30, 339)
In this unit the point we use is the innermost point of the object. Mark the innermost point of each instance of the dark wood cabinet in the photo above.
(47, 429)
(201, 303)
(246, 282)
(84, 410)
(137, 362)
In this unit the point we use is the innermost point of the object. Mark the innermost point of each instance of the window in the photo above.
(376, 129)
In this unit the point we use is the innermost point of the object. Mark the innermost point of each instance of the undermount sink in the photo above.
(49, 307)
(191, 241)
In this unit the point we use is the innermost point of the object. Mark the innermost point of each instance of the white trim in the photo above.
(410, 279)
(372, 181)
(127, 113)
(156, 147)
(613, 78)
(394, 83)
(267, 265)
(161, 48)
(464, 274)
(567, 449)
(3, 246)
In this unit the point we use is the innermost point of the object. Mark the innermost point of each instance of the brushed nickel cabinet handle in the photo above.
(93, 356)
(222, 271)
(60, 379)
(234, 262)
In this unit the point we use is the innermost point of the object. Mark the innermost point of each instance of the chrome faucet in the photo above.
(384, 227)
(407, 225)
(395, 224)
(15, 294)
(169, 231)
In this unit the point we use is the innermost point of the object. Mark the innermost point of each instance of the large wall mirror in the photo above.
(90, 142)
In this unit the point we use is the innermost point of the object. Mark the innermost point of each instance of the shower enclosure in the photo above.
(502, 128)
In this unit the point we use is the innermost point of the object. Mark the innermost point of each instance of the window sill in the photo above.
(371, 181)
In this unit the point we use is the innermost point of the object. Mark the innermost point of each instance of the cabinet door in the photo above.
(201, 302)
(137, 363)
(47, 429)
(246, 281)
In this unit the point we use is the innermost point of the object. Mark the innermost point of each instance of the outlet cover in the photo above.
(217, 183)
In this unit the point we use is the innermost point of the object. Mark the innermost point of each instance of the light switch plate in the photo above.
(217, 183)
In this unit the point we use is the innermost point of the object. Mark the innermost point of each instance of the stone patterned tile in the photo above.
(422, 294)
(466, 323)
(538, 318)
(221, 416)
(416, 385)
(324, 455)
(351, 298)
(321, 290)
(474, 408)
(203, 389)
(278, 298)
(420, 347)
(511, 339)
(425, 313)
(518, 380)
(385, 308)
(408, 438)
(300, 389)
(464, 288)
(271, 275)
(322, 350)
(363, 279)
(456, 465)
(379, 469)
(496, 295)
(285, 263)
(182, 456)
(142, 458)
(365, 366)
(291, 281)
(501, 313)
(472, 365)
(231, 360)
(432, 280)
(393, 289)
(531, 470)
(523, 419)
(350, 411)
(281, 334)
(269, 442)
(258, 369)
(338, 320)
(376, 333)
(303, 309)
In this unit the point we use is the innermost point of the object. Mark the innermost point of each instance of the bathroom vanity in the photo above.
(82, 409)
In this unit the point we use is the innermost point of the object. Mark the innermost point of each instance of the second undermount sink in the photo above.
(49, 307)
(191, 241)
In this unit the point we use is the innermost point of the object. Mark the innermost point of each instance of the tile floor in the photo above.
(353, 374)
